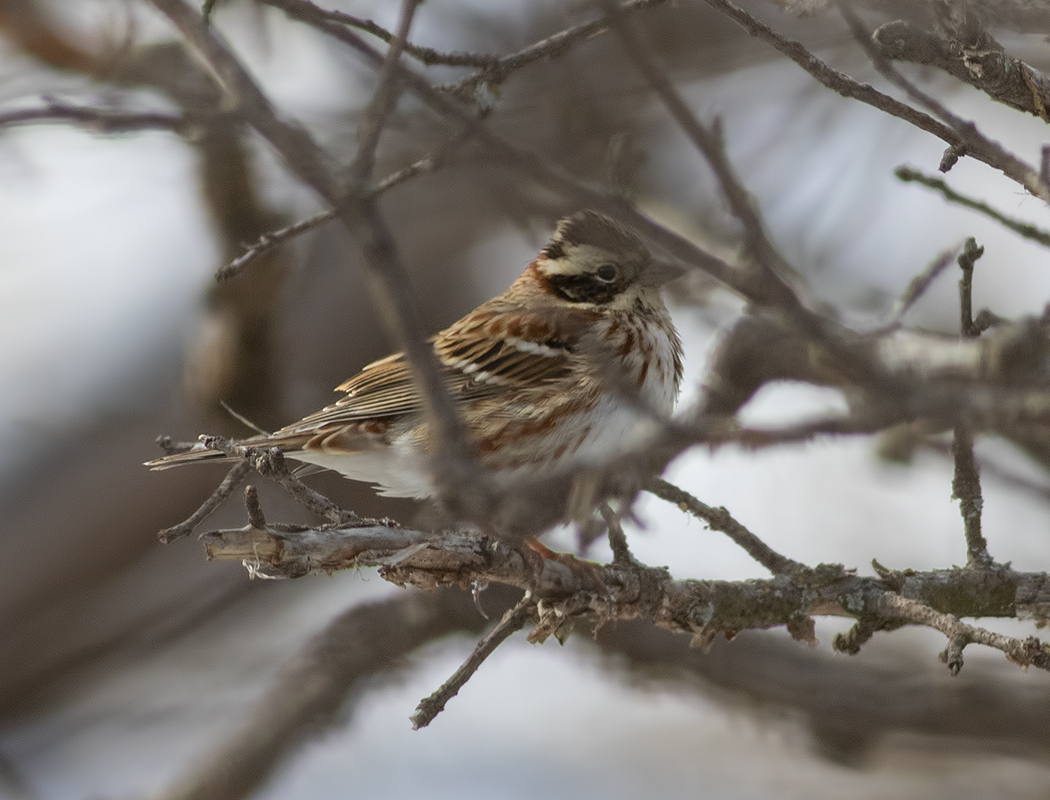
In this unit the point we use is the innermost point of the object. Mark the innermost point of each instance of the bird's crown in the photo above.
(590, 228)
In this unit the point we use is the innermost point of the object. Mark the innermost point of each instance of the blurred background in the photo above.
(125, 665)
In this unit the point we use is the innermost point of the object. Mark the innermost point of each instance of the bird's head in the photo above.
(594, 261)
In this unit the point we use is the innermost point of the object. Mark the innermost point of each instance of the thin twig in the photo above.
(617, 538)
(225, 489)
(388, 279)
(1024, 652)
(970, 253)
(268, 241)
(846, 86)
(550, 48)
(918, 286)
(966, 481)
(1025, 229)
(514, 620)
(105, 120)
(426, 55)
(381, 105)
(968, 137)
(710, 143)
(966, 488)
(270, 464)
(428, 163)
(255, 513)
(721, 520)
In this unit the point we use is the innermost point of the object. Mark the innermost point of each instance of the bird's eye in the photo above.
(606, 273)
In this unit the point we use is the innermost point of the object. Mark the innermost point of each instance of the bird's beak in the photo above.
(660, 272)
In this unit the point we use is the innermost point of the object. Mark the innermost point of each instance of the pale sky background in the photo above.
(97, 283)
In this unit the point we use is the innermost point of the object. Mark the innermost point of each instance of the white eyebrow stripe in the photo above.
(536, 348)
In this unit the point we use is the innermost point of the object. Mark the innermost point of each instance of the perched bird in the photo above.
(570, 365)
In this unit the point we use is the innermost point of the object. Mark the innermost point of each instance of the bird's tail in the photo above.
(198, 452)
(287, 441)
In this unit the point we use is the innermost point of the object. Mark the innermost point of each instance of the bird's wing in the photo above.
(484, 354)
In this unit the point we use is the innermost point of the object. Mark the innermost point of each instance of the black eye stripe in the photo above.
(584, 288)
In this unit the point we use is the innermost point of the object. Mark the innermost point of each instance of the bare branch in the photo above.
(959, 143)
(105, 120)
(719, 519)
(1023, 652)
(969, 139)
(225, 489)
(1025, 229)
(388, 278)
(270, 464)
(918, 286)
(514, 620)
(966, 487)
(381, 105)
(426, 55)
(550, 48)
(428, 163)
(311, 691)
(710, 143)
(966, 482)
(970, 253)
(539, 169)
(977, 59)
(700, 608)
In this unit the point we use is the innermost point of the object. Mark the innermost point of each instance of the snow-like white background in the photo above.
(104, 258)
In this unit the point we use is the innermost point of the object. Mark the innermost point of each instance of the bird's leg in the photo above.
(591, 573)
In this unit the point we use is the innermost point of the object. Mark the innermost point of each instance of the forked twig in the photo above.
(225, 489)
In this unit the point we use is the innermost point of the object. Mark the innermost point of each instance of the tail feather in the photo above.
(198, 453)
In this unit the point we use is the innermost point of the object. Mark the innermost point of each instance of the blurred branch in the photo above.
(709, 141)
(970, 141)
(268, 241)
(104, 120)
(1025, 229)
(966, 482)
(961, 140)
(388, 279)
(549, 49)
(918, 286)
(978, 711)
(971, 54)
(310, 693)
(426, 55)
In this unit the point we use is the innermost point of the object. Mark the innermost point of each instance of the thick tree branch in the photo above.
(703, 609)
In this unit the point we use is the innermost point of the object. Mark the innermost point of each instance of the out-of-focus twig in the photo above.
(1025, 229)
(969, 139)
(311, 691)
(388, 279)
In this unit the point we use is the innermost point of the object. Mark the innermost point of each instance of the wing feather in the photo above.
(476, 364)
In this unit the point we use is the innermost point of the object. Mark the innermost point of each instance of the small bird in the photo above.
(572, 364)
